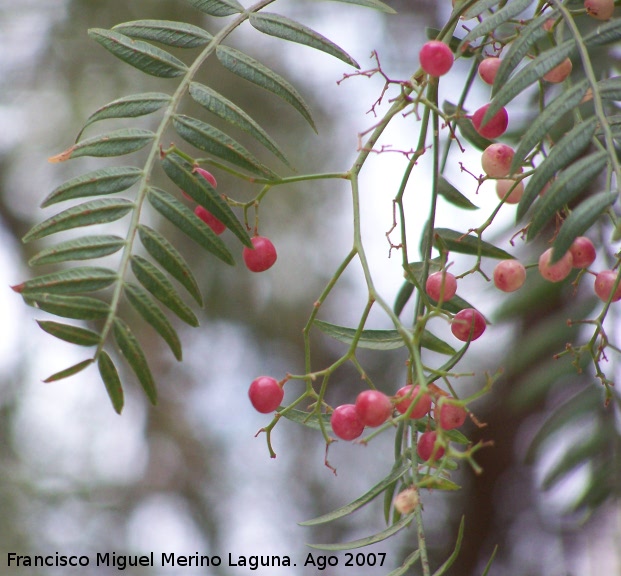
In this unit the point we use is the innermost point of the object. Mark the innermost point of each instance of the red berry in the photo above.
(583, 252)
(502, 190)
(262, 256)
(468, 321)
(266, 394)
(600, 9)
(488, 68)
(558, 271)
(346, 423)
(604, 283)
(559, 73)
(423, 403)
(426, 446)
(495, 126)
(373, 407)
(496, 160)
(441, 285)
(207, 176)
(208, 218)
(450, 416)
(436, 58)
(509, 275)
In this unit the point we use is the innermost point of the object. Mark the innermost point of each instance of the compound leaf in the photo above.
(76, 307)
(68, 333)
(85, 248)
(218, 7)
(70, 281)
(177, 34)
(111, 381)
(115, 143)
(67, 372)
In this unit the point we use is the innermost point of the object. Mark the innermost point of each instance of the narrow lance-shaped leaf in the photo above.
(451, 559)
(218, 7)
(85, 248)
(67, 372)
(605, 33)
(86, 214)
(282, 27)
(453, 195)
(510, 10)
(70, 281)
(468, 244)
(133, 353)
(115, 143)
(410, 560)
(98, 183)
(171, 33)
(111, 381)
(68, 333)
(610, 88)
(76, 307)
(375, 4)
(478, 8)
(139, 54)
(255, 72)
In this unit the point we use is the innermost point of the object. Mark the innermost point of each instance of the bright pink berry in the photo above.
(426, 446)
(265, 394)
(262, 256)
(509, 275)
(502, 190)
(409, 393)
(495, 126)
(208, 218)
(346, 422)
(583, 252)
(604, 283)
(558, 271)
(496, 160)
(559, 73)
(600, 9)
(373, 407)
(488, 68)
(436, 58)
(449, 416)
(441, 285)
(466, 322)
(207, 176)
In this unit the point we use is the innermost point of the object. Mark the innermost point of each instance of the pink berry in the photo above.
(558, 271)
(450, 416)
(262, 256)
(604, 283)
(468, 321)
(488, 68)
(600, 9)
(346, 422)
(496, 160)
(265, 394)
(502, 190)
(409, 393)
(373, 407)
(583, 252)
(208, 218)
(495, 126)
(441, 286)
(436, 58)
(426, 446)
(509, 275)
(207, 176)
(559, 73)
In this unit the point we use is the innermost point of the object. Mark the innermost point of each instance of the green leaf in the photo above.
(217, 143)
(308, 419)
(362, 500)
(225, 109)
(478, 8)
(610, 88)
(71, 371)
(435, 344)
(567, 186)
(453, 195)
(68, 333)
(77, 307)
(250, 69)
(84, 248)
(139, 54)
(566, 150)
(177, 34)
(131, 350)
(490, 23)
(156, 283)
(375, 4)
(143, 304)
(115, 143)
(70, 281)
(604, 34)
(169, 258)
(281, 27)
(467, 244)
(218, 7)
(111, 380)
(189, 223)
(404, 295)
(407, 564)
(181, 172)
(97, 183)
(580, 220)
(87, 214)
(451, 559)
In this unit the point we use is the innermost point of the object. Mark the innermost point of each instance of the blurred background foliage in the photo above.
(188, 475)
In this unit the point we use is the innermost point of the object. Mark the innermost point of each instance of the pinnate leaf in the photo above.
(115, 143)
(84, 248)
(111, 380)
(69, 333)
(67, 372)
(218, 7)
(77, 307)
(70, 281)
(171, 33)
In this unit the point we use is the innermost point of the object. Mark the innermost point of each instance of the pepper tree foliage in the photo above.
(571, 142)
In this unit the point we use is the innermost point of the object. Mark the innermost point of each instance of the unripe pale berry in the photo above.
(558, 271)
(466, 322)
(600, 9)
(346, 423)
(517, 190)
(265, 394)
(509, 275)
(373, 407)
(604, 283)
(208, 218)
(406, 501)
(496, 160)
(409, 393)
(262, 256)
(583, 252)
(488, 68)
(559, 73)
(495, 126)
(441, 285)
(426, 446)
(450, 416)
(436, 58)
